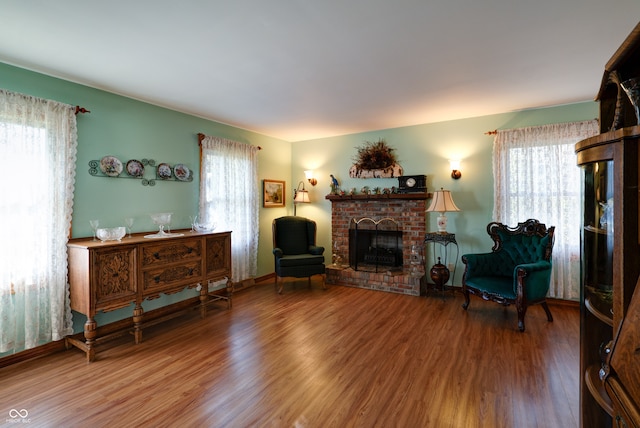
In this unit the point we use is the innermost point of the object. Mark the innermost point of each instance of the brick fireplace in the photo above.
(408, 210)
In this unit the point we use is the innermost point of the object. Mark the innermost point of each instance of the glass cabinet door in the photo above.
(597, 238)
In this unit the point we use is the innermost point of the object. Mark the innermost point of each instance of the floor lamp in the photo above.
(300, 196)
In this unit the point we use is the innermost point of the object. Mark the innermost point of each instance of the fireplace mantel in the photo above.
(361, 197)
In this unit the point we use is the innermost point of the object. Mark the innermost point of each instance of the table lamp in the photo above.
(442, 202)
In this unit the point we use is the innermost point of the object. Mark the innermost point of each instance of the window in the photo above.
(38, 149)
(536, 176)
(230, 196)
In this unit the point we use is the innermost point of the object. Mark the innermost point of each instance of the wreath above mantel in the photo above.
(375, 160)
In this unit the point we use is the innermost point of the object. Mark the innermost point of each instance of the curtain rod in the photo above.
(81, 110)
(201, 137)
(495, 131)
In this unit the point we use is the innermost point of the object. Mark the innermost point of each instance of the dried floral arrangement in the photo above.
(376, 155)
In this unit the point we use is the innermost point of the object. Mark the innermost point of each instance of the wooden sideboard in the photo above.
(105, 276)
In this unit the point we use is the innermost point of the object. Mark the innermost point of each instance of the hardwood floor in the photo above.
(340, 357)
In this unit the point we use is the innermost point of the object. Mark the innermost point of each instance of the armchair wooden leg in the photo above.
(522, 310)
(279, 287)
(465, 305)
(548, 312)
(324, 281)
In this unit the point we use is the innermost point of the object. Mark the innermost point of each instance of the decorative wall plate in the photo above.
(164, 171)
(135, 168)
(181, 172)
(111, 166)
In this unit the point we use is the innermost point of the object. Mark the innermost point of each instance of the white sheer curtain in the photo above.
(229, 196)
(38, 142)
(536, 176)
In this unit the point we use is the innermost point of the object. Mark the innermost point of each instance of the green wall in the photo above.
(130, 129)
(426, 149)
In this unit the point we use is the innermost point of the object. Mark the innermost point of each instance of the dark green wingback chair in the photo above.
(295, 251)
(518, 270)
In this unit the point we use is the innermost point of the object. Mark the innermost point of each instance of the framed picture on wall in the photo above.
(273, 193)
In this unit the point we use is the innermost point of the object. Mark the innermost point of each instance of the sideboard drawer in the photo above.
(170, 252)
(164, 278)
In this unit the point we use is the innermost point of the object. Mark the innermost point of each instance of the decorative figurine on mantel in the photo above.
(335, 186)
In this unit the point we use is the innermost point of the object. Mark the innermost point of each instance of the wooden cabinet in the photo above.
(616, 109)
(621, 371)
(610, 251)
(610, 247)
(105, 276)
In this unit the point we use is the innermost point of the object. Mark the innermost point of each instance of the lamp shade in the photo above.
(302, 196)
(442, 202)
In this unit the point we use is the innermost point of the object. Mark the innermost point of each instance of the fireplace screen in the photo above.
(375, 244)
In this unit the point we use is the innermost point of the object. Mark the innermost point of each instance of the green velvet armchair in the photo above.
(517, 271)
(295, 251)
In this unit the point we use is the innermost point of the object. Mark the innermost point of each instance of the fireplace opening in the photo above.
(375, 245)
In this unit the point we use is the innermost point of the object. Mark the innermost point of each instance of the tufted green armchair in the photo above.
(518, 270)
(295, 251)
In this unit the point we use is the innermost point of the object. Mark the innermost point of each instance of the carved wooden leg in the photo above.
(281, 286)
(324, 281)
(90, 333)
(204, 298)
(138, 313)
(546, 309)
(522, 310)
(465, 293)
(229, 293)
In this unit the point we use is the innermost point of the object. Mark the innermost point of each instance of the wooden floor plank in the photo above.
(341, 357)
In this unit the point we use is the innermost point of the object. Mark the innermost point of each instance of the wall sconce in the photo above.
(309, 175)
(300, 196)
(455, 169)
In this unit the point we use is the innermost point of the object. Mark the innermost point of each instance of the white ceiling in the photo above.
(303, 69)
